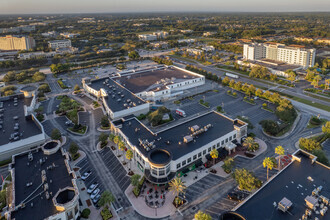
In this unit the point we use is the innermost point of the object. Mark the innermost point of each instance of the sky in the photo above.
(101, 6)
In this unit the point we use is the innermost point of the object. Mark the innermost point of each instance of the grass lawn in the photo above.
(310, 125)
(267, 109)
(82, 130)
(184, 58)
(305, 101)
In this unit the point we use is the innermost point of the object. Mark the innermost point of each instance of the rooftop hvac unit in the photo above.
(194, 128)
(47, 195)
(284, 204)
(118, 100)
(188, 139)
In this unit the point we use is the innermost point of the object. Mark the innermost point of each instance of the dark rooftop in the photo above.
(65, 196)
(152, 79)
(293, 184)
(24, 174)
(169, 139)
(116, 92)
(27, 127)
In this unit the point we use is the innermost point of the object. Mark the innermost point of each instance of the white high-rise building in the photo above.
(293, 54)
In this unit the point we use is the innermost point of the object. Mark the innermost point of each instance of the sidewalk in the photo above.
(143, 209)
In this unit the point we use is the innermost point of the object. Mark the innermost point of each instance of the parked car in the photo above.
(95, 193)
(235, 197)
(97, 198)
(86, 175)
(92, 187)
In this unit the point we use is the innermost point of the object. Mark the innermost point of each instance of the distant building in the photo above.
(21, 28)
(188, 41)
(161, 34)
(87, 20)
(16, 43)
(207, 34)
(293, 54)
(49, 34)
(186, 31)
(160, 45)
(323, 41)
(194, 51)
(32, 55)
(306, 39)
(208, 48)
(59, 44)
(69, 35)
(147, 37)
(104, 50)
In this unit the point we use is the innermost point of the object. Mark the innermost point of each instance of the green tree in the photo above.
(133, 55)
(105, 122)
(316, 80)
(106, 198)
(202, 216)
(129, 156)
(103, 138)
(85, 213)
(246, 180)
(178, 187)
(279, 150)
(214, 154)
(228, 164)
(73, 149)
(326, 128)
(248, 142)
(309, 144)
(268, 163)
(56, 134)
(76, 88)
(291, 75)
(135, 179)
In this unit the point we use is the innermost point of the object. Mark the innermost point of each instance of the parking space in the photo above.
(221, 206)
(116, 169)
(197, 189)
(326, 148)
(232, 106)
(86, 99)
(93, 178)
(84, 118)
(98, 113)
(261, 173)
(48, 127)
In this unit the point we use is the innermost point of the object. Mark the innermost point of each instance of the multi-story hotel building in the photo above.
(293, 54)
(10, 42)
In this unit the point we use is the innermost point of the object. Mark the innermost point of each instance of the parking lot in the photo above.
(232, 106)
(115, 168)
(326, 148)
(197, 189)
(260, 172)
(222, 205)
(93, 178)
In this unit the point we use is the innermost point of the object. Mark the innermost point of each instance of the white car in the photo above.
(92, 187)
(86, 175)
(95, 193)
(97, 198)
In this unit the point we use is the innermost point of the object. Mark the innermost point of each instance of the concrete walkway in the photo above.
(143, 209)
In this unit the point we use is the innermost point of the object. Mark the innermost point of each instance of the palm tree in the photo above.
(117, 140)
(268, 163)
(214, 154)
(316, 80)
(129, 156)
(177, 186)
(202, 216)
(279, 150)
(106, 198)
(249, 142)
